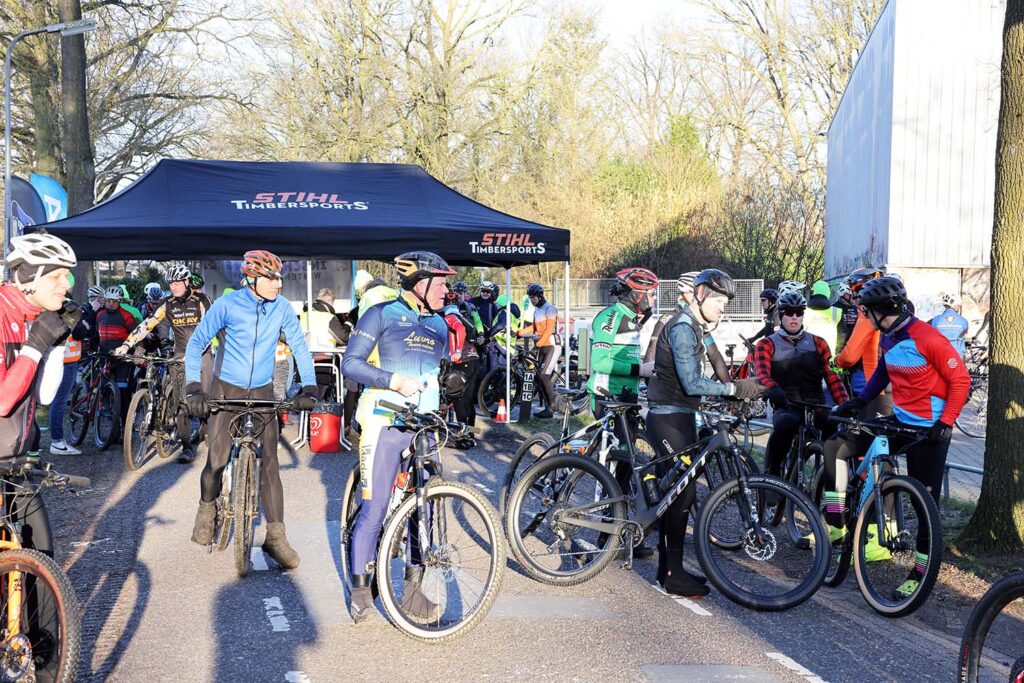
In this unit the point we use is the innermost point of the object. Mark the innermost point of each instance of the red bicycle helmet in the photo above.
(638, 279)
(260, 263)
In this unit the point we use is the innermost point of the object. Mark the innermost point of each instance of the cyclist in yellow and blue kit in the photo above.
(395, 351)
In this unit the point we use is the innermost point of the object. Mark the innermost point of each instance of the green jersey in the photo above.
(615, 351)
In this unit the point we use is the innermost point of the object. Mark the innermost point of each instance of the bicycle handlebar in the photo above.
(809, 405)
(26, 466)
(417, 420)
(875, 426)
(248, 403)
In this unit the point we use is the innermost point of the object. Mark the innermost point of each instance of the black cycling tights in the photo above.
(672, 432)
(220, 449)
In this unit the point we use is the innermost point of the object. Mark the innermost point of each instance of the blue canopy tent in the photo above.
(192, 209)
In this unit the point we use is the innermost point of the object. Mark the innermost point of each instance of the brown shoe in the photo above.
(275, 545)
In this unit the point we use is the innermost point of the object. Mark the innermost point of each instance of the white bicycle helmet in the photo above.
(178, 273)
(113, 293)
(153, 290)
(95, 290)
(685, 282)
(40, 251)
(791, 286)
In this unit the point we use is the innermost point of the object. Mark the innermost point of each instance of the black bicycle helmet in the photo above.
(717, 281)
(792, 300)
(769, 294)
(884, 295)
(460, 287)
(534, 289)
(414, 266)
(861, 276)
(196, 281)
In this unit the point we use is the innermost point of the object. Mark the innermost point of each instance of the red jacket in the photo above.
(17, 372)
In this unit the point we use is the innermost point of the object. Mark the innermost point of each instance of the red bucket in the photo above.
(325, 428)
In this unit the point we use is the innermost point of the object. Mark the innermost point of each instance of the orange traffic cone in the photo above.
(502, 415)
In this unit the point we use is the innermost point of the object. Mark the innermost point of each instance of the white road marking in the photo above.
(296, 677)
(275, 614)
(685, 602)
(259, 560)
(81, 544)
(795, 667)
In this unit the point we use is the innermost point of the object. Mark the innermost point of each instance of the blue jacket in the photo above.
(252, 327)
(395, 337)
(953, 327)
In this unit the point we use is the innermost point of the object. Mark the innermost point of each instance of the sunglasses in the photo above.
(793, 312)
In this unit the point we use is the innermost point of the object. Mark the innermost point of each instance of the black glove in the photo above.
(47, 331)
(70, 313)
(777, 396)
(748, 388)
(195, 400)
(850, 408)
(940, 432)
(307, 399)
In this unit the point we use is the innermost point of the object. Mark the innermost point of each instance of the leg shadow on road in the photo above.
(261, 622)
(108, 575)
(334, 469)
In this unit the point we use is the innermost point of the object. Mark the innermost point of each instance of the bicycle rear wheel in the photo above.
(768, 572)
(911, 520)
(973, 418)
(77, 416)
(993, 641)
(108, 414)
(45, 645)
(245, 495)
(456, 564)
(492, 390)
(804, 478)
(552, 515)
(536, 446)
(138, 435)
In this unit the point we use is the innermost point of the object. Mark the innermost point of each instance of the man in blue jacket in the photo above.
(253, 319)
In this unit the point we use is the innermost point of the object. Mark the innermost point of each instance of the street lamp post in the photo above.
(68, 28)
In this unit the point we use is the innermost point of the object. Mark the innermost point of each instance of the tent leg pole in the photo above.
(355, 266)
(568, 322)
(508, 341)
(309, 292)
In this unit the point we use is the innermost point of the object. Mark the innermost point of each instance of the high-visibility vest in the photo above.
(72, 351)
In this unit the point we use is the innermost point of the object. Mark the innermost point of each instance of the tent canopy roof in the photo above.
(189, 209)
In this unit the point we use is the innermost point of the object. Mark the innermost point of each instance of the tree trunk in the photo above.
(42, 78)
(78, 155)
(998, 521)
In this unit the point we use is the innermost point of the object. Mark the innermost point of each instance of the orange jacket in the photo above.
(862, 347)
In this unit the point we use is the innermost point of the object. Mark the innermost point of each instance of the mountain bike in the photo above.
(973, 419)
(804, 461)
(525, 369)
(40, 618)
(440, 536)
(152, 413)
(567, 517)
(761, 409)
(95, 396)
(995, 628)
(238, 506)
(893, 509)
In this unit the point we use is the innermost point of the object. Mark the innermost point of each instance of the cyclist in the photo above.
(35, 318)
(549, 344)
(196, 283)
(674, 394)
(94, 297)
(685, 286)
(497, 331)
(371, 291)
(395, 351)
(465, 358)
(792, 363)
(486, 303)
(929, 388)
(114, 322)
(769, 307)
(178, 316)
(466, 306)
(72, 354)
(126, 303)
(951, 324)
(860, 353)
(847, 314)
(154, 297)
(252, 319)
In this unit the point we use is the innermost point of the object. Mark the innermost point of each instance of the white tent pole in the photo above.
(309, 291)
(568, 332)
(508, 341)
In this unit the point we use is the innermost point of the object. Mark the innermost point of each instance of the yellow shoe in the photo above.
(835, 534)
(873, 551)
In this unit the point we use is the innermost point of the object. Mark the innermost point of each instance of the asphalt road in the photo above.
(158, 608)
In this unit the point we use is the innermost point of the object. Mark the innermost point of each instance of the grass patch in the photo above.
(955, 516)
(552, 427)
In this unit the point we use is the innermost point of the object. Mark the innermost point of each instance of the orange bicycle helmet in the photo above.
(259, 263)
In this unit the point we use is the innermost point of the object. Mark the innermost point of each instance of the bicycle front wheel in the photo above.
(564, 519)
(720, 467)
(896, 566)
(41, 622)
(993, 642)
(492, 390)
(139, 433)
(167, 440)
(768, 572)
(77, 416)
(244, 493)
(438, 577)
(531, 450)
(108, 414)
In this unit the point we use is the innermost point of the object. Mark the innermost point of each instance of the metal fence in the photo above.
(591, 295)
